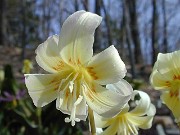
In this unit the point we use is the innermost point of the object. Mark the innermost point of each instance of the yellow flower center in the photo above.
(125, 125)
(71, 87)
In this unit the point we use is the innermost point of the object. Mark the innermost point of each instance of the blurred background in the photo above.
(139, 29)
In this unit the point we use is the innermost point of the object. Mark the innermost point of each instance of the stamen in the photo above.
(73, 118)
(62, 82)
(71, 83)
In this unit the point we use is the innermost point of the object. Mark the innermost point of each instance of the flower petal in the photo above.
(107, 67)
(111, 130)
(141, 122)
(143, 105)
(48, 55)
(103, 101)
(122, 87)
(169, 63)
(101, 122)
(158, 81)
(173, 103)
(77, 36)
(42, 88)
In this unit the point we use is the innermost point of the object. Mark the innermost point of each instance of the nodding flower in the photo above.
(76, 78)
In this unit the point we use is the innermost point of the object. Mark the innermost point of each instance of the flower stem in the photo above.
(91, 121)
(39, 113)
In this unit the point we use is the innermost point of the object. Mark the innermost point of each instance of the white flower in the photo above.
(76, 75)
(128, 121)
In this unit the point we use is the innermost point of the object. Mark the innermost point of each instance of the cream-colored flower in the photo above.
(128, 122)
(27, 66)
(166, 77)
(76, 76)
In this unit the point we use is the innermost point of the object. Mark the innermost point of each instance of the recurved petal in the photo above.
(103, 101)
(145, 121)
(42, 88)
(122, 87)
(141, 122)
(77, 37)
(107, 67)
(143, 104)
(48, 55)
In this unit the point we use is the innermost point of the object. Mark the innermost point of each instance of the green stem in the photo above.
(39, 112)
(91, 121)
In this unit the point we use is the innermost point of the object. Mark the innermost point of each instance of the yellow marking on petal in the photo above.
(59, 66)
(167, 83)
(174, 94)
(79, 62)
(92, 73)
(176, 77)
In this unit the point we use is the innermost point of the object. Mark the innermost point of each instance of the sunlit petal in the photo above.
(77, 37)
(107, 66)
(103, 101)
(42, 88)
(48, 55)
(169, 62)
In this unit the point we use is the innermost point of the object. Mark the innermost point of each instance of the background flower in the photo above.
(129, 121)
(166, 77)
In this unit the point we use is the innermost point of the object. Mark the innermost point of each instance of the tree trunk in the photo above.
(108, 26)
(154, 32)
(129, 38)
(1, 21)
(165, 42)
(23, 41)
(131, 4)
(97, 40)
(85, 4)
(76, 5)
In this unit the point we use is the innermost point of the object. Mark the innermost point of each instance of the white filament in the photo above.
(73, 118)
